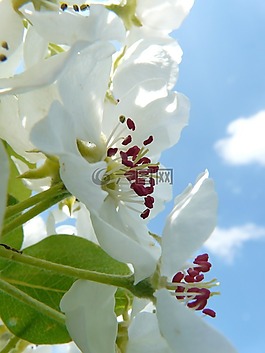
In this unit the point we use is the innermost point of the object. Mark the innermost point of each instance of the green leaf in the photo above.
(15, 237)
(48, 287)
(16, 187)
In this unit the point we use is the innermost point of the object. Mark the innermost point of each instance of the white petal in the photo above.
(186, 332)
(126, 240)
(4, 168)
(190, 223)
(144, 335)
(155, 111)
(55, 134)
(63, 27)
(89, 76)
(9, 117)
(164, 15)
(43, 73)
(151, 58)
(11, 32)
(35, 48)
(79, 178)
(90, 317)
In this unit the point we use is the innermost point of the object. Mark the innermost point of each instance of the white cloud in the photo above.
(226, 243)
(245, 142)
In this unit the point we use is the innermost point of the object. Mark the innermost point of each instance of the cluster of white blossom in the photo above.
(86, 96)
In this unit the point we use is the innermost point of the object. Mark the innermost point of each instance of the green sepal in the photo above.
(49, 287)
(16, 187)
(127, 13)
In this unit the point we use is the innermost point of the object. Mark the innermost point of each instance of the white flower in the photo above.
(164, 16)
(11, 37)
(169, 327)
(108, 144)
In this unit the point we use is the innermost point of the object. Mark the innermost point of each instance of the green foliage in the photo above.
(15, 237)
(16, 188)
(48, 287)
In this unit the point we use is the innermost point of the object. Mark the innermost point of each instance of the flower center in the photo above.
(190, 288)
(130, 174)
(76, 8)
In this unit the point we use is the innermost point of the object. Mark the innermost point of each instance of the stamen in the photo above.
(76, 8)
(130, 124)
(148, 141)
(145, 214)
(111, 152)
(3, 58)
(64, 6)
(84, 7)
(4, 45)
(209, 312)
(127, 140)
(128, 175)
(194, 297)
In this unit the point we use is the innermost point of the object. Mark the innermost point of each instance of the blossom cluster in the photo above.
(87, 106)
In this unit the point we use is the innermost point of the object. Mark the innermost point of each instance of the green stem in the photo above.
(11, 211)
(142, 289)
(10, 345)
(34, 211)
(32, 302)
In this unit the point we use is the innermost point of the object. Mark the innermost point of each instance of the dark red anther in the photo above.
(130, 124)
(124, 159)
(199, 278)
(133, 151)
(179, 289)
(148, 141)
(204, 266)
(111, 152)
(145, 214)
(189, 279)
(192, 272)
(209, 312)
(178, 277)
(149, 201)
(149, 190)
(199, 258)
(127, 140)
(139, 189)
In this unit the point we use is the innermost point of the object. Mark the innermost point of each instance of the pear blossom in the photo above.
(170, 326)
(114, 136)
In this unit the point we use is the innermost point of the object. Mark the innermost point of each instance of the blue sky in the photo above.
(222, 73)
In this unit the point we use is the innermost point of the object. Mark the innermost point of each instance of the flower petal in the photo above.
(144, 335)
(186, 332)
(190, 223)
(11, 36)
(90, 317)
(163, 15)
(89, 76)
(125, 239)
(64, 27)
(45, 72)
